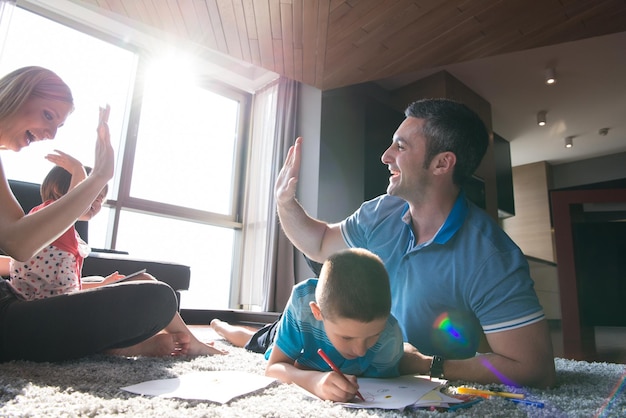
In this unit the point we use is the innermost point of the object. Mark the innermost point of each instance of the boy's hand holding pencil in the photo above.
(336, 369)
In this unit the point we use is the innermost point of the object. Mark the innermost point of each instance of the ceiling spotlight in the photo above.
(541, 118)
(550, 76)
(569, 142)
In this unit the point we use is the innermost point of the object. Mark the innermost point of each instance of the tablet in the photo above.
(129, 276)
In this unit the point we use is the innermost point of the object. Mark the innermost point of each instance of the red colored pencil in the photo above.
(336, 369)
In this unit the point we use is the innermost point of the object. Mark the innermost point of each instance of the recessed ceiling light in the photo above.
(541, 118)
(550, 76)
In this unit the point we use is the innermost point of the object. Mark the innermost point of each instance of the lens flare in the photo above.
(499, 375)
(605, 410)
(443, 323)
(456, 334)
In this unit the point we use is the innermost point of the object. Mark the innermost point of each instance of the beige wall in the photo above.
(547, 287)
(531, 228)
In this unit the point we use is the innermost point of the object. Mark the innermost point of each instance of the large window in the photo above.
(179, 139)
(187, 134)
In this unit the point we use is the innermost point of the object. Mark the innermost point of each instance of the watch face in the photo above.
(436, 367)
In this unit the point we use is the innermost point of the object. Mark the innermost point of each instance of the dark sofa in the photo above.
(103, 262)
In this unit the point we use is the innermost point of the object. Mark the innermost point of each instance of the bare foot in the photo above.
(159, 345)
(198, 348)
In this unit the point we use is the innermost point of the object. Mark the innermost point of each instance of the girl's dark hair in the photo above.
(354, 284)
(454, 127)
(57, 183)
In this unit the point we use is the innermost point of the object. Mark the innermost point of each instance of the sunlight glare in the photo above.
(173, 72)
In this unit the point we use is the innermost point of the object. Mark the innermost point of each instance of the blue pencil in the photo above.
(526, 402)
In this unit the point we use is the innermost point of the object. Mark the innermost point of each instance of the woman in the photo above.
(123, 319)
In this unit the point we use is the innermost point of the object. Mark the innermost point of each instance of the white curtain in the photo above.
(268, 261)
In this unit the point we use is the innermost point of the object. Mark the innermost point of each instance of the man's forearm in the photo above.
(483, 369)
(492, 368)
(303, 231)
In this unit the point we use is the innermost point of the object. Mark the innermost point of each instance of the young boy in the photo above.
(346, 313)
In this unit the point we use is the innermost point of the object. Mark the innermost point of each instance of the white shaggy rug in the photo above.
(91, 387)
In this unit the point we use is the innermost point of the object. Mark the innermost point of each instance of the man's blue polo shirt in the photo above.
(470, 276)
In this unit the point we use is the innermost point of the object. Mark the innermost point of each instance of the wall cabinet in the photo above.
(504, 176)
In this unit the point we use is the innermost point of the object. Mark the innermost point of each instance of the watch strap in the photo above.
(436, 367)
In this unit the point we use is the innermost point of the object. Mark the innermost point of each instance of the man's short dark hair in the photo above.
(454, 127)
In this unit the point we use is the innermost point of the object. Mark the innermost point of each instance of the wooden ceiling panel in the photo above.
(288, 42)
(116, 6)
(309, 41)
(334, 43)
(264, 34)
(345, 21)
(136, 10)
(188, 17)
(226, 12)
(431, 44)
(152, 13)
(277, 37)
(322, 34)
(215, 23)
(206, 35)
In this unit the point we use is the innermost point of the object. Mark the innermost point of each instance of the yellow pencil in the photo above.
(486, 393)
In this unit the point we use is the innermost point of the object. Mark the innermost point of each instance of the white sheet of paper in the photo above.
(215, 386)
(394, 393)
(436, 398)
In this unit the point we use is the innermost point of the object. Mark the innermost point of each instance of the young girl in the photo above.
(135, 318)
(56, 269)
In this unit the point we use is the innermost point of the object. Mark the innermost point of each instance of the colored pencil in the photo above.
(486, 393)
(335, 368)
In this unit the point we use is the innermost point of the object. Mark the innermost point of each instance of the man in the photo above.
(454, 273)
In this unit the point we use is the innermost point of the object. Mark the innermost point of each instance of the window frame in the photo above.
(121, 189)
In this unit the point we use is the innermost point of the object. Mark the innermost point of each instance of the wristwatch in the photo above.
(436, 367)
